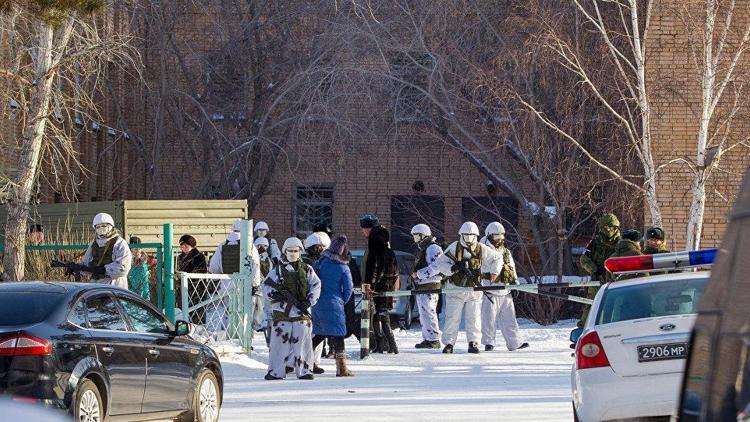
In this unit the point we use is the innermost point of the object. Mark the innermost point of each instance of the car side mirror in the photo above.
(575, 335)
(181, 328)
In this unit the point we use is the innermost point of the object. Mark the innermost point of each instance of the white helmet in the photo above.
(261, 241)
(317, 238)
(103, 218)
(494, 228)
(236, 225)
(469, 228)
(261, 225)
(422, 229)
(292, 242)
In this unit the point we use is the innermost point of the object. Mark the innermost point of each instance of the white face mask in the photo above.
(293, 255)
(469, 239)
(103, 230)
(262, 233)
(418, 238)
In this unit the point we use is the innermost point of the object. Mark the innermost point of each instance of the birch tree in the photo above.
(719, 37)
(49, 44)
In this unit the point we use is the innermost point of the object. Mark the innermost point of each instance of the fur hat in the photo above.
(188, 240)
(339, 249)
(632, 234)
(655, 233)
(368, 221)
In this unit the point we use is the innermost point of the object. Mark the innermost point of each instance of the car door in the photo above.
(120, 352)
(169, 361)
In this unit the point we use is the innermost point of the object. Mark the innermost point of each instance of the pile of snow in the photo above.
(416, 385)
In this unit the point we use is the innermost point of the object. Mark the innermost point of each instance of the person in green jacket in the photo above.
(138, 277)
(601, 247)
(629, 244)
(655, 241)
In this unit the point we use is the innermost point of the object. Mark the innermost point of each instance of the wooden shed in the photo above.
(209, 221)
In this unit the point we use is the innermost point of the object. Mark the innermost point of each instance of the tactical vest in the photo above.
(506, 274)
(421, 262)
(102, 255)
(230, 258)
(472, 277)
(296, 283)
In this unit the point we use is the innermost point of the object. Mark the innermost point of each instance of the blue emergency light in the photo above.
(664, 261)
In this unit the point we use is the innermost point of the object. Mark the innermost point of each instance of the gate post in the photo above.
(245, 284)
(168, 273)
(364, 334)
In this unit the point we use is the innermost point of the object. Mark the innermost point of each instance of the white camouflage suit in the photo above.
(122, 259)
(291, 342)
(427, 303)
(217, 314)
(467, 303)
(498, 309)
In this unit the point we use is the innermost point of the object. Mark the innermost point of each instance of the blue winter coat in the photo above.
(328, 314)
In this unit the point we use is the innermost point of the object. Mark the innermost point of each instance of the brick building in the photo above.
(403, 177)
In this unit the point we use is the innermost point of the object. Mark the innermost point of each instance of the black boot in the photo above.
(448, 348)
(489, 348)
(423, 345)
(381, 344)
(388, 332)
(317, 370)
(270, 377)
(525, 345)
(473, 348)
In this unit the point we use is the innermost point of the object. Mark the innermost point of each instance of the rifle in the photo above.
(289, 298)
(71, 268)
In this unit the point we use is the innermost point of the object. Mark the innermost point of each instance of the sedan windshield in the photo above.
(22, 308)
(674, 297)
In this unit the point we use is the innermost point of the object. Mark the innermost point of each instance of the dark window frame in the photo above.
(308, 202)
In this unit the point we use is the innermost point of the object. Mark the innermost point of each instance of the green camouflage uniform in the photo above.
(598, 250)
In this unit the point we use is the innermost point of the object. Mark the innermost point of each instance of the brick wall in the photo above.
(672, 77)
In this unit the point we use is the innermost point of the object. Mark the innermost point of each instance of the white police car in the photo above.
(630, 354)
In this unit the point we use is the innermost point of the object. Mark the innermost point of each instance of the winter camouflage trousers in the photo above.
(259, 314)
(427, 305)
(291, 345)
(499, 311)
(466, 304)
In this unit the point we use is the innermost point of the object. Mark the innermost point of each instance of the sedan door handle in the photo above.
(154, 352)
(108, 350)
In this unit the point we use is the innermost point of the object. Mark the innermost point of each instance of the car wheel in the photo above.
(87, 406)
(207, 401)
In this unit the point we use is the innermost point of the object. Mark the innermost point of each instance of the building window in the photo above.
(486, 209)
(313, 205)
(409, 210)
(411, 76)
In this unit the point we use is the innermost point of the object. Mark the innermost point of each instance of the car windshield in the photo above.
(674, 297)
(22, 308)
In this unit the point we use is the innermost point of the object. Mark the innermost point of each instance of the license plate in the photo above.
(654, 352)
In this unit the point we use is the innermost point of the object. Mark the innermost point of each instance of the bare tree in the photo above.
(719, 37)
(57, 50)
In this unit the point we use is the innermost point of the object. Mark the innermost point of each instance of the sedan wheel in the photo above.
(88, 404)
(208, 398)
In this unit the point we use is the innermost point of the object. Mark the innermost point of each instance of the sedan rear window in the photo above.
(675, 297)
(22, 308)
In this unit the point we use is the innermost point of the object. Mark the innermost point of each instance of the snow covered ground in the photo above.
(415, 385)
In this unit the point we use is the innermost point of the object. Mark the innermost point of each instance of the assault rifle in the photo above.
(73, 268)
(289, 298)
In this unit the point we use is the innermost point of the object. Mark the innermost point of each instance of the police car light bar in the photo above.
(665, 261)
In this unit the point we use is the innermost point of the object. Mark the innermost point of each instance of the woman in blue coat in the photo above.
(329, 318)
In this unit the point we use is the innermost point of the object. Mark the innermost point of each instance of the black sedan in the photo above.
(102, 352)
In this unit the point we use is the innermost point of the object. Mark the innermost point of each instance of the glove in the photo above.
(276, 296)
(73, 268)
(458, 266)
(99, 270)
(305, 305)
(255, 290)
